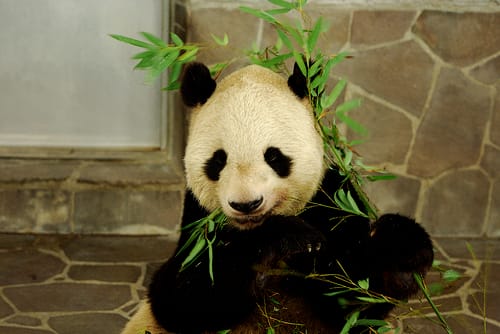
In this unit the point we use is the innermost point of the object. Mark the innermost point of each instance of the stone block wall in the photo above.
(428, 74)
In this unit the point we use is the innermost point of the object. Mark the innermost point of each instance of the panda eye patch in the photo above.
(215, 165)
(279, 162)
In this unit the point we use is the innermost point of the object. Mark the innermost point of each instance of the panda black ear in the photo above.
(298, 83)
(197, 84)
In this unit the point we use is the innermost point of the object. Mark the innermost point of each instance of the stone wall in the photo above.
(427, 72)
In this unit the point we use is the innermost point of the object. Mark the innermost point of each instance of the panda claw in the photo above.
(309, 248)
(318, 246)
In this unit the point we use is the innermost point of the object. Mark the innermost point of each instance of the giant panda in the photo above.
(279, 262)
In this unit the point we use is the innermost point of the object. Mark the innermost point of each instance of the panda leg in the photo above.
(143, 321)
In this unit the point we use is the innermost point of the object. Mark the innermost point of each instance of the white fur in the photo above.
(142, 321)
(251, 110)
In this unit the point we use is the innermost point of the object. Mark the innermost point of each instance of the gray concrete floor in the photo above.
(92, 284)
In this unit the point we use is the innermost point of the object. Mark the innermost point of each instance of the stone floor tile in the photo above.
(490, 161)
(460, 38)
(459, 323)
(451, 134)
(448, 304)
(384, 125)
(119, 249)
(465, 248)
(489, 308)
(20, 330)
(495, 121)
(494, 214)
(401, 74)
(16, 241)
(448, 288)
(59, 297)
(105, 323)
(111, 273)
(5, 309)
(25, 320)
(374, 27)
(489, 72)
(466, 194)
(28, 266)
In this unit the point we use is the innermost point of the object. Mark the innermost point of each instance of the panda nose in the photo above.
(246, 207)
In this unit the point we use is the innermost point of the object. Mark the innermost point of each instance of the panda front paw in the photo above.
(399, 248)
(290, 240)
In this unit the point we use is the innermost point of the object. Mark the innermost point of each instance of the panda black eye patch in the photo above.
(279, 162)
(215, 165)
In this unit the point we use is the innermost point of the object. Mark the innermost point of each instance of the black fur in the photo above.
(215, 164)
(298, 83)
(321, 240)
(279, 162)
(197, 84)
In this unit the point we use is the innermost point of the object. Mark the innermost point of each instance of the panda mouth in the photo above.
(249, 221)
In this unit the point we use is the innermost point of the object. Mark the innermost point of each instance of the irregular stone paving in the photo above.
(89, 284)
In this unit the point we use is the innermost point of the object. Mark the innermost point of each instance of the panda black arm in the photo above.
(186, 300)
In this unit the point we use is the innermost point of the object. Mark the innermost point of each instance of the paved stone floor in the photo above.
(91, 284)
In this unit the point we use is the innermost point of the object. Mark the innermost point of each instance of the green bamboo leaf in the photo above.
(435, 289)
(299, 59)
(338, 58)
(451, 275)
(348, 157)
(371, 322)
(154, 39)
(217, 68)
(283, 4)
(221, 41)
(211, 260)
(145, 54)
(173, 77)
(260, 14)
(132, 41)
(335, 293)
(381, 177)
(197, 249)
(372, 300)
(284, 38)
(277, 11)
(312, 39)
(145, 63)
(158, 68)
(352, 203)
(329, 100)
(341, 113)
(188, 55)
(351, 321)
(297, 34)
(270, 330)
(173, 86)
(364, 284)
(278, 60)
(176, 39)
(316, 66)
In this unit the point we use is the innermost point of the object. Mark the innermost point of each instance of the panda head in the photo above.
(253, 148)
